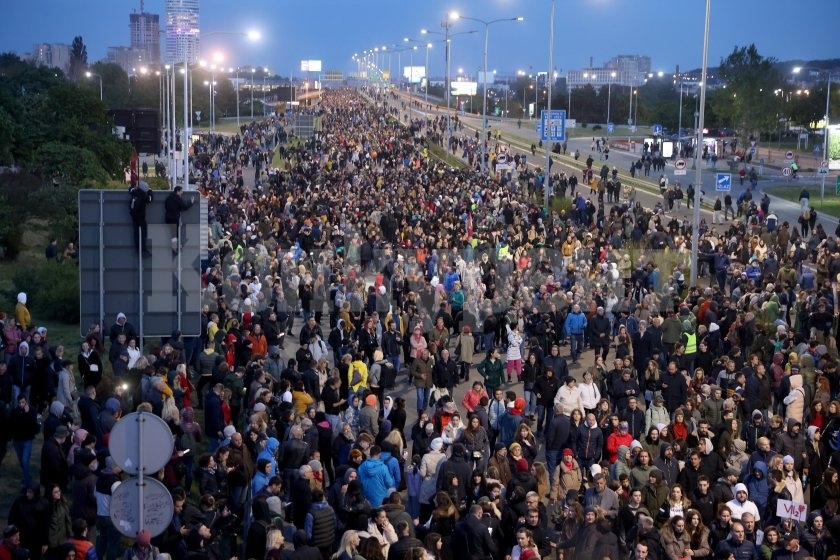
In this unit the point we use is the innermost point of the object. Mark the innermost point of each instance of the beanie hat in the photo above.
(811, 431)
(568, 452)
(437, 444)
(787, 459)
(370, 400)
(522, 465)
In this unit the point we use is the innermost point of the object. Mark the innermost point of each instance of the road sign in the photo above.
(822, 170)
(633, 128)
(553, 126)
(786, 171)
(150, 452)
(680, 167)
(724, 182)
(752, 151)
(158, 508)
(164, 288)
(789, 155)
(610, 127)
(657, 130)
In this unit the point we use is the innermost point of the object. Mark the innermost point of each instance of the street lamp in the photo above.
(487, 24)
(91, 74)
(609, 100)
(265, 75)
(825, 135)
(636, 107)
(446, 24)
(695, 228)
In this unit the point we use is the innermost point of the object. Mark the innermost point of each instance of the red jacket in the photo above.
(616, 440)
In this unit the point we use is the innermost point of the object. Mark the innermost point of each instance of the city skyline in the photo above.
(286, 38)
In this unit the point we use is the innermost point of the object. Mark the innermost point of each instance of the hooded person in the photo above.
(795, 401)
(655, 492)
(712, 464)
(741, 503)
(738, 457)
(758, 485)
(668, 464)
(754, 429)
(270, 454)
(623, 464)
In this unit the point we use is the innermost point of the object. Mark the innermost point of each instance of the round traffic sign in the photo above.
(151, 453)
(679, 164)
(158, 508)
(789, 155)
(786, 171)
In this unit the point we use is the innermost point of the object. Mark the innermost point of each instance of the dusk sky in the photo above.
(670, 32)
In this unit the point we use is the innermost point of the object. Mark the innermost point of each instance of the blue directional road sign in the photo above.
(657, 130)
(610, 127)
(723, 182)
(553, 126)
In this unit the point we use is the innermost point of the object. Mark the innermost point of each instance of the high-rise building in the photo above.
(145, 34)
(53, 55)
(182, 30)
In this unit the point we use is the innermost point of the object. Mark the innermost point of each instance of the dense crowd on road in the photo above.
(609, 408)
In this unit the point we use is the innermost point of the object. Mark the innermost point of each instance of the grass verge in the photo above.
(830, 206)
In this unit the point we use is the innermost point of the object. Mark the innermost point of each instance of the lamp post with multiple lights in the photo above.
(486, 24)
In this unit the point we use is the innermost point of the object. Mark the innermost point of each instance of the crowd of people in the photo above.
(611, 410)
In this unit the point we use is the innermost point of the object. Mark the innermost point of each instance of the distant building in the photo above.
(53, 55)
(145, 34)
(182, 30)
(128, 58)
(622, 70)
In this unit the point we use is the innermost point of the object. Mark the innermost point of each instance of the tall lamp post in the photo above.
(487, 24)
(446, 24)
(825, 135)
(91, 74)
(549, 76)
(695, 227)
(609, 99)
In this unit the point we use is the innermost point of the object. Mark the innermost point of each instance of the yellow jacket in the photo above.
(357, 365)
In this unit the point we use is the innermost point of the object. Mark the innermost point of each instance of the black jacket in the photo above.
(471, 540)
(558, 433)
(545, 388)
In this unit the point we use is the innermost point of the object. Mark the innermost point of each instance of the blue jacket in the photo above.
(393, 466)
(376, 481)
(270, 454)
(575, 323)
(757, 488)
(449, 280)
(589, 442)
(508, 424)
(214, 421)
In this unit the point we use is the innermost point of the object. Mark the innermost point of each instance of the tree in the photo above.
(748, 102)
(78, 58)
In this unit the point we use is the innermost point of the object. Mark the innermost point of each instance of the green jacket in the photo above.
(422, 368)
(492, 372)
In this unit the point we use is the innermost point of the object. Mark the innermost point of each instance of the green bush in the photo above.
(53, 289)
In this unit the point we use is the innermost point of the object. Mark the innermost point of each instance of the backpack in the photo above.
(387, 375)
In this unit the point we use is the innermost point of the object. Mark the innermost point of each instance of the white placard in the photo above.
(791, 510)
